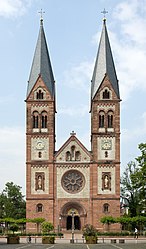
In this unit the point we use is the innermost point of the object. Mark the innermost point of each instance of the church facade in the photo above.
(72, 184)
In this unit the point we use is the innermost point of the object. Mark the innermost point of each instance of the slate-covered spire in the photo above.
(41, 64)
(104, 65)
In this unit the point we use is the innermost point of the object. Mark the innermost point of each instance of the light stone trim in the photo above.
(35, 151)
(45, 170)
(37, 90)
(101, 152)
(39, 108)
(84, 193)
(101, 93)
(106, 107)
(61, 157)
(76, 166)
(100, 170)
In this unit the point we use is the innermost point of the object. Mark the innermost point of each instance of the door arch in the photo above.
(80, 215)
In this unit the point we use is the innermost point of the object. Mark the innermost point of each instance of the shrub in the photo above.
(89, 230)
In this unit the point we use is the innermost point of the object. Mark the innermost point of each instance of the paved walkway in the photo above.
(78, 238)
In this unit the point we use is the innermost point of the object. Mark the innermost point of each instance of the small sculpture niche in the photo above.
(39, 181)
(106, 181)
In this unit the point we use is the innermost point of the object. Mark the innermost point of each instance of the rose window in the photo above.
(73, 181)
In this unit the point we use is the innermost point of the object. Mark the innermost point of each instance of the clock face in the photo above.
(40, 146)
(107, 145)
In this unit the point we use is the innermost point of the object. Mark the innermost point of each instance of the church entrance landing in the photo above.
(73, 215)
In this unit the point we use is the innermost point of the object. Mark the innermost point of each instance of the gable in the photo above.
(106, 86)
(39, 86)
(73, 152)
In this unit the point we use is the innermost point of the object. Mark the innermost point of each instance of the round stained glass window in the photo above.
(73, 181)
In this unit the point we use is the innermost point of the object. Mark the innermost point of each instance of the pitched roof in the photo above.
(41, 64)
(72, 138)
(104, 64)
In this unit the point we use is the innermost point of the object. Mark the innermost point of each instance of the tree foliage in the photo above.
(140, 176)
(12, 203)
(37, 221)
(129, 190)
(136, 221)
(89, 230)
(47, 226)
(134, 183)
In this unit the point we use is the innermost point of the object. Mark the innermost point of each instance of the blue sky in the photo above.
(72, 29)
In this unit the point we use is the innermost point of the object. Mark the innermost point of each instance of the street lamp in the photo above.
(72, 231)
(59, 224)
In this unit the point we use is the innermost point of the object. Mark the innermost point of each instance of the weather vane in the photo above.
(104, 12)
(41, 12)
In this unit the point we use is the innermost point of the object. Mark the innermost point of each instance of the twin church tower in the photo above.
(72, 181)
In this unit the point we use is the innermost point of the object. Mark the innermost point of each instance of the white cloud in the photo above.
(13, 8)
(79, 76)
(74, 112)
(131, 138)
(129, 45)
(129, 51)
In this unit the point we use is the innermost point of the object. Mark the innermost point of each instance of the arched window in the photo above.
(106, 153)
(77, 156)
(106, 208)
(101, 119)
(110, 119)
(44, 120)
(39, 208)
(68, 156)
(40, 154)
(73, 152)
(106, 94)
(39, 95)
(35, 120)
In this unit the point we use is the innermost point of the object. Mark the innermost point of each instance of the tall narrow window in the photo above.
(106, 94)
(110, 119)
(39, 95)
(44, 120)
(106, 208)
(101, 120)
(40, 154)
(77, 156)
(68, 156)
(39, 208)
(73, 152)
(35, 121)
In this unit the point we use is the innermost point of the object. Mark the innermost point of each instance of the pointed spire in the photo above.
(41, 64)
(104, 64)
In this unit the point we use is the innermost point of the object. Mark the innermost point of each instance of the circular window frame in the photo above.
(73, 191)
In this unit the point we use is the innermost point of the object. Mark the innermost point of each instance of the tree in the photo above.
(47, 227)
(12, 203)
(37, 221)
(129, 190)
(140, 175)
(14, 227)
(108, 220)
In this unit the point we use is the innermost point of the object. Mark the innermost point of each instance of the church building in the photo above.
(72, 184)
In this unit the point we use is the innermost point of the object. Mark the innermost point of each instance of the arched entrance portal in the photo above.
(72, 215)
(77, 223)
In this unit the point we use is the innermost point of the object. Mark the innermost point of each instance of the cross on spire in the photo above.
(41, 12)
(104, 12)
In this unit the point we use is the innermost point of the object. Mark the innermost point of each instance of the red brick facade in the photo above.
(73, 178)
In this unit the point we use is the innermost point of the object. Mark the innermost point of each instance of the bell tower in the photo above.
(105, 132)
(40, 134)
